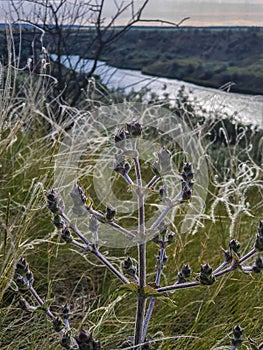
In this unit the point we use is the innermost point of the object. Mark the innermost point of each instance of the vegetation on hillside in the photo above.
(205, 56)
(34, 123)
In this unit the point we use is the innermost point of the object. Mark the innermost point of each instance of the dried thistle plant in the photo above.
(133, 275)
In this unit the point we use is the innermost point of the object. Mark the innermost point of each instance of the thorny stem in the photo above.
(141, 301)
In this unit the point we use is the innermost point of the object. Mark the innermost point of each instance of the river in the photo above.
(246, 108)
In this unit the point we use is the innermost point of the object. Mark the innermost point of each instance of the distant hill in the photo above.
(208, 56)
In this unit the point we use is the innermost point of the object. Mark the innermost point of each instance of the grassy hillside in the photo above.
(198, 318)
(208, 56)
(205, 56)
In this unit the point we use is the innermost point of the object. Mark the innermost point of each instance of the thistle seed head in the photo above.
(54, 202)
(134, 128)
(110, 213)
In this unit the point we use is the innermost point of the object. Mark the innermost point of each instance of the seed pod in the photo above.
(260, 228)
(205, 276)
(234, 246)
(58, 221)
(186, 270)
(65, 311)
(22, 267)
(110, 213)
(227, 255)
(57, 324)
(134, 128)
(258, 265)
(54, 202)
(259, 243)
(66, 341)
(120, 139)
(237, 336)
(66, 235)
(87, 342)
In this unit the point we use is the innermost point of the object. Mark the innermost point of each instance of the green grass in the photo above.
(199, 318)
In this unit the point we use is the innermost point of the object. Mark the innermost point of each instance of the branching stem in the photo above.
(75, 229)
(141, 300)
(106, 262)
(40, 301)
(153, 181)
(117, 227)
(94, 251)
(248, 255)
(152, 300)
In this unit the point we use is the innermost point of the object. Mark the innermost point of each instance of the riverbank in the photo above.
(210, 57)
(247, 109)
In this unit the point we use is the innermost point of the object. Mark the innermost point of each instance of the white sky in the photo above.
(201, 12)
(209, 12)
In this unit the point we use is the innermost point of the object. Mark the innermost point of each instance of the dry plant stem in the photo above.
(128, 179)
(94, 251)
(217, 274)
(117, 227)
(166, 210)
(247, 268)
(227, 270)
(40, 301)
(141, 300)
(220, 267)
(79, 245)
(67, 325)
(117, 273)
(178, 286)
(248, 255)
(162, 216)
(153, 181)
(102, 258)
(74, 228)
(152, 300)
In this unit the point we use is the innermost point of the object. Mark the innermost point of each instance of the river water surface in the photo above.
(246, 108)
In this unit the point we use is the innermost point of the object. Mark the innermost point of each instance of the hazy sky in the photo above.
(201, 12)
(209, 12)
